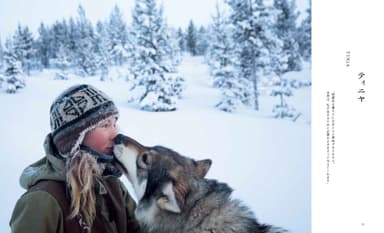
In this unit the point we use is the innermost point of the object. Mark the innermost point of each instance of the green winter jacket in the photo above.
(40, 212)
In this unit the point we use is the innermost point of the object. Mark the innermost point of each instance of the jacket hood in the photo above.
(49, 167)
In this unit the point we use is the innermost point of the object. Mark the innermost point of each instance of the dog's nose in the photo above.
(119, 139)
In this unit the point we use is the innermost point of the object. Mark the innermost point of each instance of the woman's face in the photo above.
(101, 138)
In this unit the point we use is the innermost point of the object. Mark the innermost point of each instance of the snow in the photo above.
(267, 161)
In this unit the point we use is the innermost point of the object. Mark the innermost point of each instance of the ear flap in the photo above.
(203, 166)
(168, 200)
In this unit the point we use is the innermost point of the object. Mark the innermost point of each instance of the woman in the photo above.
(76, 186)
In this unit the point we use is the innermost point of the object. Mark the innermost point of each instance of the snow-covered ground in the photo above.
(266, 161)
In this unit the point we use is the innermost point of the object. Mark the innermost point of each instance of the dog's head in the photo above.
(161, 177)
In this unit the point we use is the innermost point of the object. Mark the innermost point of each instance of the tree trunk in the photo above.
(255, 84)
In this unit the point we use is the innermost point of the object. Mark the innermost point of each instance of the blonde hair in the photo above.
(81, 170)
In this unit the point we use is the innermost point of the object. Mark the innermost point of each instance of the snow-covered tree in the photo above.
(220, 52)
(151, 63)
(2, 79)
(1, 55)
(173, 49)
(235, 91)
(285, 28)
(60, 36)
(104, 57)
(191, 38)
(282, 90)
(304, 37)
(85, 58)
(252, 34)
(13, 74)
(181, 40)
(201, 41)
(118, 37)
(220, 56)
(43, 50)
(23, 48)
(74, 37)
(1, 64)
(62, 62)
(177, 85)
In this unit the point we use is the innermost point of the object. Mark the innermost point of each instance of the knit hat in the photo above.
(76, 111)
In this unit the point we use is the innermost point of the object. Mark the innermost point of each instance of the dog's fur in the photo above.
(174, 196)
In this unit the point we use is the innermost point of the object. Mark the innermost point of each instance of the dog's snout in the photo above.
(126, 141)
(119, 139)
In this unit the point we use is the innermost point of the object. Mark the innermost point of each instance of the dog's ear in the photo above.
(203, 166)
(168, 200)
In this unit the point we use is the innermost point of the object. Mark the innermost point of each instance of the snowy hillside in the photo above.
(267, 161)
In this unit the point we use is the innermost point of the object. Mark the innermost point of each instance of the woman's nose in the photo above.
(114, 132)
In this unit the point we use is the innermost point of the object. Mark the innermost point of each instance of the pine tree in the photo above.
(85, 46)
(281, 87)
(304, 37)
(181, 40)
(1, 64)
(285, 27)
(62, 62)
(13, 73)
(1, 55)
(73, 42)
(118, 37)
(253, 37)
(43, 45)
(59, 36)
(2, 79)
(191, 39)
(151, 62)
(220, 47)
(104, 57)
(201, 41)
(282, 90)
(23, 47)
(173, 49)
(235, 90)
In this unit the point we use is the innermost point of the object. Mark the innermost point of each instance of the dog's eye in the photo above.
(144, 161)
(145, 158)
(164, 197)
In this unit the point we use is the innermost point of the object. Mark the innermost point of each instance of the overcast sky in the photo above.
(33, 12)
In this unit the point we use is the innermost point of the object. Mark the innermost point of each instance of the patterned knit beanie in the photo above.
(76, 111)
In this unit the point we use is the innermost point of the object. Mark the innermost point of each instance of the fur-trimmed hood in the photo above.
(48, 168)
(52, 167)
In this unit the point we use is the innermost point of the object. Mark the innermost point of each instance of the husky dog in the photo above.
(174, 196)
